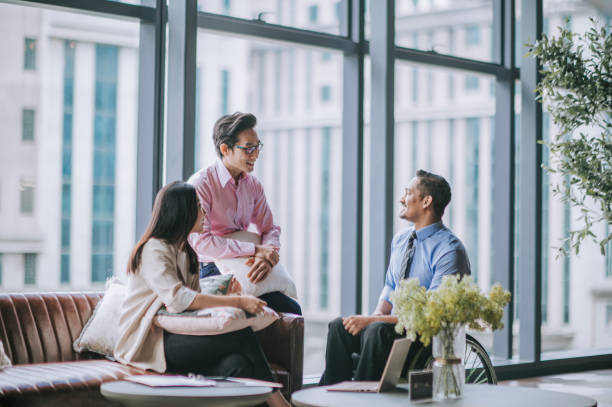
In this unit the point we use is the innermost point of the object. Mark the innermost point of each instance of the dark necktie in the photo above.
(408, 255)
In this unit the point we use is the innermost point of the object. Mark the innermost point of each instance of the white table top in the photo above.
(475, 395)
(223, 394)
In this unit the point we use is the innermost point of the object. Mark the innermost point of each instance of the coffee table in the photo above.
(224, 394)
(475, 395)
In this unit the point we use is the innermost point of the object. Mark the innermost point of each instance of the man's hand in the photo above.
(260, 268)
(268, 253)
(356, 323)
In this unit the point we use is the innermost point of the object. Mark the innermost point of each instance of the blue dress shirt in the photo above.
(438, 252)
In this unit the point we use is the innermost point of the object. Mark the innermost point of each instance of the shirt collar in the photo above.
(429, 230)
(224, 174)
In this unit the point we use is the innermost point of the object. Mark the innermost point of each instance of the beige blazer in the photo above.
(162, 279)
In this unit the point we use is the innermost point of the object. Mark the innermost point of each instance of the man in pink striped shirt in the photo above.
(233, 200)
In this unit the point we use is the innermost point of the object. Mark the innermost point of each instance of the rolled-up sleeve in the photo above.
(387, 289)
(262, 218)
(160, 271)
(390, 279)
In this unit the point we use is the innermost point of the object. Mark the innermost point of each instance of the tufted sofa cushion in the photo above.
(38, 329)
(41, 327)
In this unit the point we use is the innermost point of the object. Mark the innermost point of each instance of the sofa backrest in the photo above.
(41, 327)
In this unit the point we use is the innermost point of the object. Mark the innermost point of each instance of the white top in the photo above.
(162, 279)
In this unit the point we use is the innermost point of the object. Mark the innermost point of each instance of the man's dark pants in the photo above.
(373, 345)
(276, 300)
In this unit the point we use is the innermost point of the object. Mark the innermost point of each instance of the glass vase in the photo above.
(448, 369)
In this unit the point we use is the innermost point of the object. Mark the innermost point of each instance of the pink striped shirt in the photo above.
(230, 208)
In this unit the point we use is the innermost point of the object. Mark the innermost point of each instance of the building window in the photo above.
(227, 6)
(313, 13)
(545, 218)
(29, 268)
(225, 91)
(26, 199)
(608, 315)
(66, 214)
(339, 10)
(567, 213)
(325, 93)
(472, 35)
(324, 220)
(415, 85)
(308, 73)
(608, 254)
(105, 118)
(472, 137)
(27, 125)
(261, 79)
(325, 56)
(29, 59)
(277, 87)
(471, 82)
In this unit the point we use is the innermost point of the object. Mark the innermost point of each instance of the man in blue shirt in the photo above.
(427, 251)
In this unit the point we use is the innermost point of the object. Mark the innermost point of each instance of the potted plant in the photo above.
(442, 314)
(576, 89)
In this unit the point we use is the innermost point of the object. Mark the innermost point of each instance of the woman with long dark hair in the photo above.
(163, 271)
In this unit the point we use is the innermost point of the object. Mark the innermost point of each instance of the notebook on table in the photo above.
(390, 376)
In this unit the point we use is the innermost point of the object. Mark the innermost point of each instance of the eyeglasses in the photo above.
(251, 149)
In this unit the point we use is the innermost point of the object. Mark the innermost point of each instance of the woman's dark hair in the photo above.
(228, 127)
(437, 187)
(174, 213)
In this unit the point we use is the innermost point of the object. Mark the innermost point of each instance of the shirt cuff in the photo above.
(183, 299)
(248, 248)
(384, 295)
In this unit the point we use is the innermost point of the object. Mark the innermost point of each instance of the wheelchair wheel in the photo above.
(478, 366)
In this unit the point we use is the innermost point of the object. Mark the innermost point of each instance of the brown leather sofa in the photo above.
(38, 329)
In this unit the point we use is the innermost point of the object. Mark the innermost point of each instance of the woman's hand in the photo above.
(251, 304)
(234, 287)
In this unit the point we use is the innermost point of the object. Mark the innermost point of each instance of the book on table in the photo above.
(171, 381)
(195, 380)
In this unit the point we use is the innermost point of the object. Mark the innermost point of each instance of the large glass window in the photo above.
(573, 285)
(301, 163)
(319, 15)
(65, 204)
(461, 28)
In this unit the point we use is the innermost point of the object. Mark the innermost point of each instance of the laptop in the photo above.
(390, 376)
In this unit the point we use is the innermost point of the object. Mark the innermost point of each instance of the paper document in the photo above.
(170, 381)
(253, 382)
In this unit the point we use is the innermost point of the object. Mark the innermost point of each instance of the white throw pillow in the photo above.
(4, 359)
(213, 321)
(101, 332)
(277, 279)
